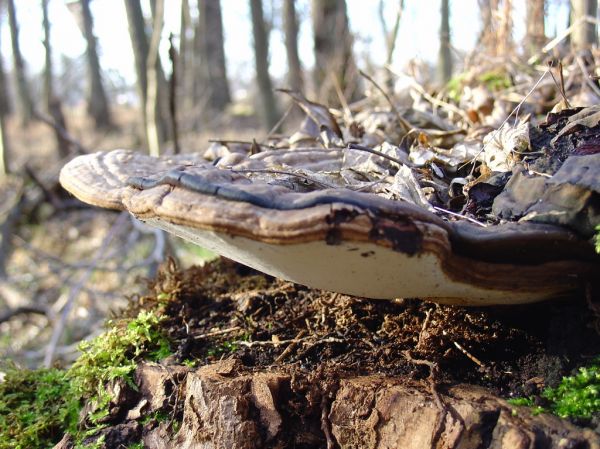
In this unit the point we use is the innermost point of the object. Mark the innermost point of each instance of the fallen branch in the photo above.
(60, 325)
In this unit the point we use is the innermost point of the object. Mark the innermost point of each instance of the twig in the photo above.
(560, 84)
(50, 196)
(23, 310)
(442, 104)
(325, 424)
(403, 123)
(424, 327)
(341, 97)
(554, 42)
(280, 121)
(251, 344)
(215, 333)
(290, 348)
(79, 148)
(60, 325)
(282, 172)
(586, 76)
(354, 146)
(470, 356)
(464, 217)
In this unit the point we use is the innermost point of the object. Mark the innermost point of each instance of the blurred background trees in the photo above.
(197, 86)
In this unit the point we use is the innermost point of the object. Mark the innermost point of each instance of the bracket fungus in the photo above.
(329, 236)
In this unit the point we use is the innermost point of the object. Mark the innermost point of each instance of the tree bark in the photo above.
(536, 35)
(3, 151)
(139, 44)
(212, 57)
(24, 101)
(228, 406)
(445, 56)
(584, 35)
(97, 102)
(5, 106)
(48, 91)
(295, 79)
(269, 112)
(185, 63)
(152, 112)
(334, 61)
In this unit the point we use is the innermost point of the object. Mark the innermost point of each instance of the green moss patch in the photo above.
(38, 406)
(576, 396)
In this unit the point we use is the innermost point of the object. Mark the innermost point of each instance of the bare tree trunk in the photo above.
(3, 149)
(585, 35)
(445, 56)
(24, 101)
(152, 112)
(290, 26)
(261, 56)
(212, 57)
(504, 37)
(334, 62)
(185, 67)
(390, 37)
(495, 38)
(48, 91)
(486, 35)
(97, 102)
(139, 43)
(536, 35)
(5, 106)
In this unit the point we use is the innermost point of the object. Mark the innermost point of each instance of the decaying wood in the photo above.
(227, 407)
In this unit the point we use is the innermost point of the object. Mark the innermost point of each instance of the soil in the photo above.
(226, 311)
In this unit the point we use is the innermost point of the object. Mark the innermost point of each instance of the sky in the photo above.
(418, 35)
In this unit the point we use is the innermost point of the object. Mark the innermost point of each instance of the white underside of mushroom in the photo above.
(355, 268)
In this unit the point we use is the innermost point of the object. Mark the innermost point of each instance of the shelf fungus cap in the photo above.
(334, 238)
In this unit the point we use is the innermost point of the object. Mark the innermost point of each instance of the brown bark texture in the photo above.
(97, 101)
(444, 56)
(24, 101)
(290, 27)
(212, 57)
(535, 37)
(225, 406)
(48, 91)
(5, 106)
(140, 46)
(268, 106)
(584, 34)
(334, 60)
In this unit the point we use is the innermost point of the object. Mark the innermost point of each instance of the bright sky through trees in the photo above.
(418, 36)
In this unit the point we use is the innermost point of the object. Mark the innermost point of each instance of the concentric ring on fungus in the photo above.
(336, 239)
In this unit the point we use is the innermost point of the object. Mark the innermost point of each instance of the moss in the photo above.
(576, 396)
(115, 353)
(38, 406)
(495, 80)
(598, 239)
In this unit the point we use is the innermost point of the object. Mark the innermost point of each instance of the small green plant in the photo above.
(495, 80)
(576, 396)
(114, 355)
(139, 445)
(598, 239)
(38, 406)
(224, 348)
